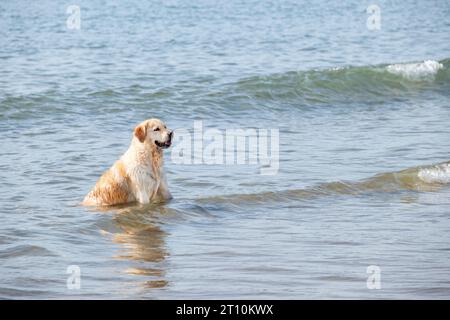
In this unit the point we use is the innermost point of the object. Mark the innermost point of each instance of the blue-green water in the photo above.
(363, 117)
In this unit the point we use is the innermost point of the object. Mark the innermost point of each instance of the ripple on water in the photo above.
(25, 250)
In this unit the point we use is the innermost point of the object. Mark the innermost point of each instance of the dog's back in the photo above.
(112, 188)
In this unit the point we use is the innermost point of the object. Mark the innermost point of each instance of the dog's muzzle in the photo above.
(166, 144)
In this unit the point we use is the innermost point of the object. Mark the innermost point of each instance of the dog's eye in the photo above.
(157, 129)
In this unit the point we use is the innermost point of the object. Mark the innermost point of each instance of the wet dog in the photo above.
(138, 175)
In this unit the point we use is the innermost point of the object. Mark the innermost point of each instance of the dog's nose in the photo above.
(170, 134)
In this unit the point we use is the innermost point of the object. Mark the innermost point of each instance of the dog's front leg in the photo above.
(163, 190)
(143, 197)
(144, 185)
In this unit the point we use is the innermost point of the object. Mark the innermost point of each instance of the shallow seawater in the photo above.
(364, 140)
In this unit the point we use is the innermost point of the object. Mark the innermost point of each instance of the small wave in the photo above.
(420, 179)
(25, 250)
(416, 71)
(12, 293)
(365, 84)
(335, 85)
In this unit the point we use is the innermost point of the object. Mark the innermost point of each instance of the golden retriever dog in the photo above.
(138, 175)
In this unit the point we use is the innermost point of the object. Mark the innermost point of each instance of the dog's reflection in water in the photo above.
(143, 241)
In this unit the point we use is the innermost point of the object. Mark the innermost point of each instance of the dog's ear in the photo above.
(140, 132)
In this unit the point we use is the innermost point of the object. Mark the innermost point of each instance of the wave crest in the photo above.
(436, 174)
(416, 71)
(338, 85)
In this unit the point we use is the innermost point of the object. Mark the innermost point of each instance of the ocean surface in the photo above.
(364, 149)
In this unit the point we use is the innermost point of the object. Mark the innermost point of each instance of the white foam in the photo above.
(416, 71)
(436, 174)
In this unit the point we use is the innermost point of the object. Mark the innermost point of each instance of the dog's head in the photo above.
(155, 133)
